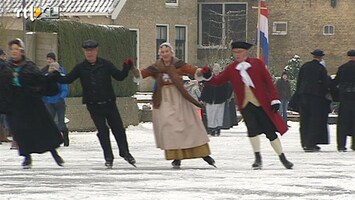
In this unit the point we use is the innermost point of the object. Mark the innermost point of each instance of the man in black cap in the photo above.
(312, 86)
(95, 76)
(258, 99)
(345, 81)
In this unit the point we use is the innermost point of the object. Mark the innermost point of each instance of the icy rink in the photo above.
(324, 175)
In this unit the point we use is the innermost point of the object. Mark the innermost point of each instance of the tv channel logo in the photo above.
(34, 13)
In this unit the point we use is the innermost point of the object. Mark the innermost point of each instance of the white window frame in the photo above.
(186, 39)
(278, 32)
(225, 45)
(138, 45)
(172, 4)
(167, 32)
(328, 25)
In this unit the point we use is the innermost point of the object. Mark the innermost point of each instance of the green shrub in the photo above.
(115, 45)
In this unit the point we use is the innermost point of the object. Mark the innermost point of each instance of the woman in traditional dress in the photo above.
(177, 127)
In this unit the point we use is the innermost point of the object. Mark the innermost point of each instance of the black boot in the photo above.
(176, 164)
(285, 162)
(129, 158)
(109, 164)
(210, 161)
(59, 160)
(258, 164)
(66, 138)
(27, 162)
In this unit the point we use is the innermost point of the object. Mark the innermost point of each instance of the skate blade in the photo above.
(133, 165)
(176, 167)
(257, 168)
(214, 165)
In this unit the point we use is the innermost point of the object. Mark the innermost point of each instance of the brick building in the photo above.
(201, 30)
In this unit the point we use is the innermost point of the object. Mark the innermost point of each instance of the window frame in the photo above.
(274, 28)
(156, 37)
(186, 39)
(224, 44)
(176, 4)
(138, 45)
(330, 33)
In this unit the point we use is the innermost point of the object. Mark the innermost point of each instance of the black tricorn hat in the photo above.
(241, 45)
(351, 52)
(87, 44)
(318, 52)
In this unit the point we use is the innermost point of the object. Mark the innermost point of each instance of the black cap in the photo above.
(351, 52)
(2, 52)
(318, 52)
(90, 44)
(51, 55)
(241, 45)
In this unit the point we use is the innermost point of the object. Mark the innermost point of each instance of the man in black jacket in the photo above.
(98, 95)
(345, 81)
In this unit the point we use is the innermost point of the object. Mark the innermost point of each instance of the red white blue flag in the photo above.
(264, 32)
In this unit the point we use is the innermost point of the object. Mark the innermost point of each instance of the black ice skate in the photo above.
(27, 162)
(129, 158)
(210, 161)
(258, 164)
(108, 164)
(285, 162)
(176, 164)
(59, 160)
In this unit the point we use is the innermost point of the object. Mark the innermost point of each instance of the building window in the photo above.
(328, 30)
(135, 45)
(220, 23)
(172, 2)
(180, 42)
(162, 36)
(279, 28)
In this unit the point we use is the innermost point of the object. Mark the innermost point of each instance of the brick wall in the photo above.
(139, 14)
(306, 19)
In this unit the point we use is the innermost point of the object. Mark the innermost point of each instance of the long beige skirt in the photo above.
(177, 127)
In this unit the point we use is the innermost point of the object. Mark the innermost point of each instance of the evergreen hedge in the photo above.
(114, 44)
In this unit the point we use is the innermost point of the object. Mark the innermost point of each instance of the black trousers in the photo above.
(258, 122)
(346, 124)
(108, 112)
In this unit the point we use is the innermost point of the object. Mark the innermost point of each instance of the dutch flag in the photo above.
(264, 33)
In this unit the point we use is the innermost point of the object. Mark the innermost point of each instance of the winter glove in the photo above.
(206, 71)
(128, 63)
(275, 107)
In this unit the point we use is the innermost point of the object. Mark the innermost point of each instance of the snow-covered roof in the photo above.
(67, 7)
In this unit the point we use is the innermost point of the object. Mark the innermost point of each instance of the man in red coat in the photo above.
(258, 99)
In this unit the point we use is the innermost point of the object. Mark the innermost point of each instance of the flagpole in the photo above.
(258, 29)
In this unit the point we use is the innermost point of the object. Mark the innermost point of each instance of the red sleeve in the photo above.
(224, 76)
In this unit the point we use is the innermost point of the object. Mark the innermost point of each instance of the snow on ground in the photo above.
(324, 175)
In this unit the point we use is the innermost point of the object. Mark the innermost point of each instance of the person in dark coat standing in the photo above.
(215, 98)
(284, 88)
(34, 129)
(345, 81)
(95, 76)
(312, 86)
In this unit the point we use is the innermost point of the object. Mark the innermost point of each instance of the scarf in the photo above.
(242, 67)
(157, 71)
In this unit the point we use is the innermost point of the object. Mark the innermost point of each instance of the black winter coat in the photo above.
(216, 94)
(34, 129)
(313, 79)
(284, 88)
(5, 89)
(96, 80)
(345, 81)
